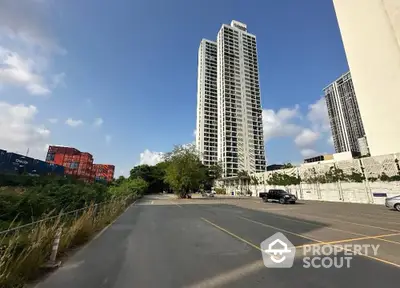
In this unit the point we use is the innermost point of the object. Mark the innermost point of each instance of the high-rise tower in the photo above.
(240, 128)
(229, 128)
(344, 115)
(206, 126)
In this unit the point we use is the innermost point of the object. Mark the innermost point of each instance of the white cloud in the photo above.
(18, 131)
(308, 152)
(27, 47)
(318, 115)
(194, 132)
(16, 70)
(108, 139)
(98, 122)
(53, 120)
(278, 124)
(306, 138)
(73, 123)
(150, 158)
(330, 140)
(27, 22)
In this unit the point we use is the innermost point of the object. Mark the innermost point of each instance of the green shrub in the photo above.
(220, 190)
(23, 253)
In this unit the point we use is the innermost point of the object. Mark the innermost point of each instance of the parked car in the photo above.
(280, 195)
(393, 202)
(208, 194)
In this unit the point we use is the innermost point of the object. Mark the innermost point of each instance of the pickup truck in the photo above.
(263, 194)
(278, 195)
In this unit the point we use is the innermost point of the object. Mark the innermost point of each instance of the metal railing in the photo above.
(59, 215)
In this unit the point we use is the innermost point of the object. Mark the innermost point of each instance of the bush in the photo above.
(27, 203)
(23, 253)
(220, 190)
(129, 187)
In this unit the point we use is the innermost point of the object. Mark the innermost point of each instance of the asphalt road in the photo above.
(164, 242)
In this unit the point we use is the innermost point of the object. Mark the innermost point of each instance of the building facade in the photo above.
(344, 115)
(319, 158)
(363, 145)
(371, 36)
(240, 130)
(229, 129)
(207, 115)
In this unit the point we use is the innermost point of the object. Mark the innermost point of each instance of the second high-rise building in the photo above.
(344, 114)
(239, 116)
(207, 115)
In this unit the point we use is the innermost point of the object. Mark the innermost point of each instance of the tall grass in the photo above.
(23, 253)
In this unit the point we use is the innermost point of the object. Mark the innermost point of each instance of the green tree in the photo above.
(282, 179)
(130, 187)
(244, 180)
(153, 175)
(254, 180)
(212, 173)
(119, 180)
(142, 171)
(184, 172)
(287, 165)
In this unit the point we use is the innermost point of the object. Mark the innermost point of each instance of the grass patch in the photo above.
(23, 253)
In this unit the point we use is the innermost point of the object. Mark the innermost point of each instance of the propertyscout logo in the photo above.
(278, 252)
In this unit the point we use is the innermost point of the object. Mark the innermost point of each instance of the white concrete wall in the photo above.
(336, 192)
(391, 188)
(342, 191)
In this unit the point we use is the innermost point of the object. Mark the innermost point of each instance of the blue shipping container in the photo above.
(3, 156)
(7, 168)
(39, 167)
(18, 164)
(19, 159)
(56, 169)
(21, 164)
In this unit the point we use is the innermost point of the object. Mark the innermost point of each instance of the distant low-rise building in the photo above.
(363, 145)
(273, 167)
(319, 158)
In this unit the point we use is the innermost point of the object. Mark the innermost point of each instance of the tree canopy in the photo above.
(184, 172)
(153, 175)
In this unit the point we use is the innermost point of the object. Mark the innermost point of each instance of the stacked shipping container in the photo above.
(104, 172)
(18, 164)
(75, 163)
(79, 164)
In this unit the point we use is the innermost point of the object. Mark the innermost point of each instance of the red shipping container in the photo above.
(79, 164)
(59, 159)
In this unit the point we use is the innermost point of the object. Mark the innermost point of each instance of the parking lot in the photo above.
(315, 222)
(215, 242)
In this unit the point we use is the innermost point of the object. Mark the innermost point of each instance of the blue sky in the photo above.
(124, 73)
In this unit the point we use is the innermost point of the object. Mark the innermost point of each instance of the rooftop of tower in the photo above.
(239, 25)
